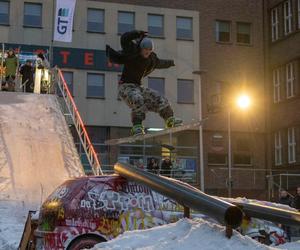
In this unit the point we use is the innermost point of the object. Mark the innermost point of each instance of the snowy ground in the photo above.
(188, 235)
(37, 153)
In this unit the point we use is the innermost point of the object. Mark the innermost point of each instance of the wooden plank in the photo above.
(131, 139)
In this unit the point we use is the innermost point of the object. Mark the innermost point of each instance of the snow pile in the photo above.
(37, 154)
(185, 234)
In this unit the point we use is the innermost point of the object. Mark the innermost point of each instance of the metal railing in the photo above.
(78, 124)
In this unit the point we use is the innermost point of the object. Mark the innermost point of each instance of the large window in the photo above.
(125, 21)
(290, 80)
(276, 85)
(287, 8)
(95, 85)
(184, 28)
(4, 12)
(223, 31)
(156, 25)
(291, 145)
(243, 33)
(278, 148)
(95, 20)
(32, 14)
(185, 91)
(157, 84)
(275, 23)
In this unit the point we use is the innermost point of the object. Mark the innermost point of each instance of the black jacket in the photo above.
(286, 200)
(135, 66)
(296, 202)
(27, 73)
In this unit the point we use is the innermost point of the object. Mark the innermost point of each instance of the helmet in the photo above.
(147, 43)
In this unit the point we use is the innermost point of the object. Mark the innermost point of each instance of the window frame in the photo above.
(87, 22)
(291, 145)
(277, 148)
(250, 34)
(275, 25)
(217, 21)
(276, 85)
(124, 11)
(290, 92)
(163, 25)
(87, 85)
(288, 19)
(192, 29)
(33, 26)
(183, 102)
(164, 82)
(8, 13)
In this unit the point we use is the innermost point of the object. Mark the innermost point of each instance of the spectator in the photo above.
(10, 63)
(153, 166)
(296, 200)
(27, 76)
(285, 198)
(166, 166)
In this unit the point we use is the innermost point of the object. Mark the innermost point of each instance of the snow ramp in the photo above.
(37, 151)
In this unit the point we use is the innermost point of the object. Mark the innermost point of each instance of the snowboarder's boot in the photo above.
(137, 130)
(172, 122)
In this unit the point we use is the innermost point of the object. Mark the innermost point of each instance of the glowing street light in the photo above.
(243, 101)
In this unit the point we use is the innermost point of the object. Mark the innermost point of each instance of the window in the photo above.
(95, 85)
(243, 33)
(95, 22)
(185, 91)
(216, 159)
(276, 85)
(157, 84)
(184, 28)
(156, 25)
(275, 24)
(287, 8)
(242, 159)
(33, 14)
(291, 145)
(290, 80)
(4, 12)
(223, 31)
(125, 21)
(278, 148)
(69, 80)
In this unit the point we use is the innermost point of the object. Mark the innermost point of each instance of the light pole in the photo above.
(201, 158)
(243, 102)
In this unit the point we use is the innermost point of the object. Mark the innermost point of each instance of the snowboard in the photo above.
(131, 139)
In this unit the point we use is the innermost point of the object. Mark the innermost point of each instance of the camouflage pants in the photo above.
(141, 100)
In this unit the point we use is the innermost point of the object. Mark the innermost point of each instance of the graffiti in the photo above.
(81, 223)
(112, 200)
(59, 193)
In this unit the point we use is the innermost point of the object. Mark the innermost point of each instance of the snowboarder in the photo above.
(139, 60)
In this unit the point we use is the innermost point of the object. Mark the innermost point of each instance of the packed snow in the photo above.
(37, 153)
(188, 235)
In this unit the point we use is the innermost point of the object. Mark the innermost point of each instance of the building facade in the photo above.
(283, 56)
(225, 41)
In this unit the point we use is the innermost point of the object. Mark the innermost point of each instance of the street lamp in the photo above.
(243, 101)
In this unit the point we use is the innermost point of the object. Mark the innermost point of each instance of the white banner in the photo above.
(63, 25)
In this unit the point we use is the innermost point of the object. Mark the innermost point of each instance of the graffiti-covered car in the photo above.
(85, 211)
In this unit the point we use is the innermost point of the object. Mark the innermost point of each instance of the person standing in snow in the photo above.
(139, 60)
(27, 76)
(166, 167)
(285, 199)
(296, 200)
(10, 63)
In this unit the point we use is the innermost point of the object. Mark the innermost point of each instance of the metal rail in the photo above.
(186, 195)
(79, 125)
